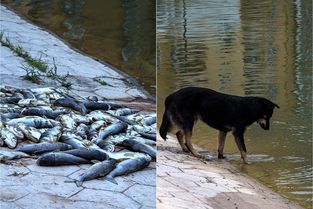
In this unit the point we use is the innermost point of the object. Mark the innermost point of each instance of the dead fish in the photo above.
(32, 103)
(8, 154)
(67, 121)
(125, 120)
(82, 131)
(31, 133)
(115, 106)
(73, 140)
(71, 103)
(10, 110)
(9, 116)
(93, 98)
(99, 115)
(44, 90)
(125, 111)
(10, 100)
(138, 146)
(60, 158)
(17, 132)
(128, 166)
(96, 171)
(51, 135)
(34, 121)
(53, 114)
(27, 94)
(96, 105)
(110, 130)
(148, 121)
(88, 153)
(148, 136)
(43, 147)
(106, 145)
(8, 137)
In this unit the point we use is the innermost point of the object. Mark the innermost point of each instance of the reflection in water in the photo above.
(245, 47)
(119, 32)
(73, 18)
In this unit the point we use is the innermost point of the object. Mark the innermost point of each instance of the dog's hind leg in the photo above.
(221, 144)
(239, 139)
(188, 136)
(180, 137)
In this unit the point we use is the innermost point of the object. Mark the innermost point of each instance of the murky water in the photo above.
(247, 48)
(119, 32)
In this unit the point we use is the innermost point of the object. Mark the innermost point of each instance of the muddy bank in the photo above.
(184, 181)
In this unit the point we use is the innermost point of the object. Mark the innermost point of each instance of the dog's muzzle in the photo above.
(265, 124)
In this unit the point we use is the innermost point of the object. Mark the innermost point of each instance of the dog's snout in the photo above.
(264, 124)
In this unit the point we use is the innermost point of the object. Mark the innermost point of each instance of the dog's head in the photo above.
(267, 108)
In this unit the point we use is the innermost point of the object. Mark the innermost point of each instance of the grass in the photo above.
(37, 68)
(101, 81)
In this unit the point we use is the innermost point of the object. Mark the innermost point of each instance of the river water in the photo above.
(119, 32)
(261, 48)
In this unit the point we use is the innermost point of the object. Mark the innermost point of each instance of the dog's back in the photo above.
(218, 110)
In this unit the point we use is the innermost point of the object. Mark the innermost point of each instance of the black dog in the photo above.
(220, 111)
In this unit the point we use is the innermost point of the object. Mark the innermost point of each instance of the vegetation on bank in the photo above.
(36, 68)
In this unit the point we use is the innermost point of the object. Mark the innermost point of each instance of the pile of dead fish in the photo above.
(58, 129)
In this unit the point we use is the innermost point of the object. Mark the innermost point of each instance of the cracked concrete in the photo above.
(184, 181)
(25, 185)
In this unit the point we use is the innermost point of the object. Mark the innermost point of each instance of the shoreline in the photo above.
(194, 183)
(26, 185)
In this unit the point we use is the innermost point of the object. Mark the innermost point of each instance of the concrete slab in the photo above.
(25, 185)
(187, 182)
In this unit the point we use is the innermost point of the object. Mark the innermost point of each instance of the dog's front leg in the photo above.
(221, 144)
(239, 139)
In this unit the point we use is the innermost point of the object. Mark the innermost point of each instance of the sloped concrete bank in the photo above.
(184, 181)
(23, 184)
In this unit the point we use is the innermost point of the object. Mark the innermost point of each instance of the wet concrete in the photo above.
(184, 181)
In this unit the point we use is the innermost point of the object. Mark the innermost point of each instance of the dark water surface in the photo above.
(261, 48)
(119, 32)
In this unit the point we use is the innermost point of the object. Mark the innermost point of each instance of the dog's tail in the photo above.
(165, 125)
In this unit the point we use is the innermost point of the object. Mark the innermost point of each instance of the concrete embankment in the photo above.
(184, 181)
(23, 184)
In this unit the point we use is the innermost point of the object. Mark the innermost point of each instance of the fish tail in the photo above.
(112, 180)
(77, 182)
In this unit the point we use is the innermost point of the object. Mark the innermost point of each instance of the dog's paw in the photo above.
(220, 156)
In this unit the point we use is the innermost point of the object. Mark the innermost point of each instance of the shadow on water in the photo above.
(120, 32)
(261, 48)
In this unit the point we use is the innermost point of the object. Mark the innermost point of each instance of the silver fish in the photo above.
(51, 135)
(96, 171)
(73, 140)
(148, 121)
(67, 121)
(34, 121)
(139, 147)
(30, 133)
(8, 137)
(8, 154)
(31, 103)
(128, 166)
(110, 130)
(60, 158)
(43, 147)
(53, 114)
(88, 153)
